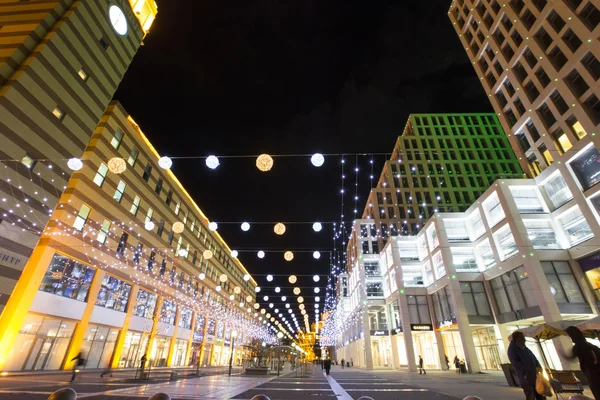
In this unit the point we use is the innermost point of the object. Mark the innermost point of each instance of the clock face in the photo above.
(118, 19)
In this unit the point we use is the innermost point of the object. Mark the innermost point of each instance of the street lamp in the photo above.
(279, 336)
(233, 335)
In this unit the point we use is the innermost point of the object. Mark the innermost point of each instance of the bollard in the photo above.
(365, 398)
(160, 396)
(472, 398)
(260, 397)
(64, 394)
(579, 397)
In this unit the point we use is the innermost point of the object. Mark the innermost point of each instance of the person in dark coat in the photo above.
(79, 363)
(343, 363)
(421, 369)
(447, 361)
(457, 364)
(525, 364)
(327, 365)
(589, 358)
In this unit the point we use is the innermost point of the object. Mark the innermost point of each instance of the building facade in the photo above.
(60, 64)
(441, 162)
(127, 267)
(467, 280)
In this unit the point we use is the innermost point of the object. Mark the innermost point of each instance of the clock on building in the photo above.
(118, 19)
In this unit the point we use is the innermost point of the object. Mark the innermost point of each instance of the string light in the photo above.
(288, 256)
(317, 159)
(149, 225)
(279, 228)
(316, 255)
(117, 165)
(178, 227)
(264, 162)
(213, 226)
(75, 164)
(245, 226)
(261, 254)
(234, 254)
(212, 162)
(270, 278)
(165, 162)
(316, 278)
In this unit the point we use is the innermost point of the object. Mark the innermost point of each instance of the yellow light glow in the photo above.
(289, 256)
(264, 162)
(292, 279)
(178, 227)
(117, 165)
(207, 254)
(296, 291)
(579, 131)
(564, 142)
(279, 228)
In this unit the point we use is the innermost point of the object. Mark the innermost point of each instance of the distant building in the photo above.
(60, 64)
(127, 267)
(441, 162)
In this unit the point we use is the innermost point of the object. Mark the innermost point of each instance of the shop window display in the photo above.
(185, 320)
(68, 278)
(114, 294)
(145, 304)
(168, 312)
(586, 167)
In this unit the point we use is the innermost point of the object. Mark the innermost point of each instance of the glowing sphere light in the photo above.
(213, 226)
(317, 226)
(245, 226)
(75, 164)
(279, 228)
(261, 254)
(316, 278)
(288, 256)
(207, 254)
(270, 278)
(264, 162)
(178, 227)
(316, 255)
(117, 165)
(292, 279)
(212, 162)
(149, 225)
(165, 162)
(317, 159)
(234, 253)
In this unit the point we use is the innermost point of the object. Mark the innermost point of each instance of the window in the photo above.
(374, 289)
(68, 278)
(475, 299)
(103, 43)
(456, 230)
(541, 233)
(505, 242)
(122, 244)
(114, 294)
(28, 161)
(82, 216)
(101, 174)
(576, 83)
(372, 268)
(527, 199)
(493, 210)
(161, 227)
(543, 39)
(576, 127)
(135, 205)
(103, 234)
(432, 237)
(177, 208)
(563, 284)
(528, 19)
(117, 138)
(557, 58)
(575, 226)
(82, 74)
(137, 254)
(120, 191)
(571, 40)
(586, 167)
(590, 16)
(484, 250)
(557, 190)
(418, 309)
(555, 21)
(592, 65)
(476, 223)
(543, 78)
(427, 274)
(464, 259)
(531, 91)
(149, 214)
(442, 307)
(559, 102)
(58, 113)
(540, 4)
(147, 172)
(159, 184)
(133, 156)
(150, 265)
(438, 264)
(592, 106)
(512, 291)
(561, 140)
(185, 321)
(145, 304)
(169, 198)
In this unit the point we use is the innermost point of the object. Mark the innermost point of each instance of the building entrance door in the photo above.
(39, 354)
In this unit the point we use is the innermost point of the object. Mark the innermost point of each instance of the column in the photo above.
(395, 358)
(408, 339)
(204, 332)
(154, 330)
(20, 301)
(439, 340)
(174, 338)
(114, 363)
(499, 329)
(188, 350)
(464, 328)
(77, 338)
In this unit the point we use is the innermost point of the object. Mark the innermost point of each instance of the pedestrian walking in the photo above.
(79, 362)
(327, 365)
(352, 362)
(457, 364)
(589, 358)
(447, 361)
(342, 363)
(525, 364)
(421, 369)
(106, 371)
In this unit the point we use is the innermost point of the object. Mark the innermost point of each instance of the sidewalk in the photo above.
(490, 385)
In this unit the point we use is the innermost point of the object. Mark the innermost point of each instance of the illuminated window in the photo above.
(557, 190)
(578, 129)
(81, 219)
(464, 259)
(505, 242)
(476, 223)
(103, 234)
(432, 238)
(28, 161)
(546, 154)
(177, 208)
(564, 144)
(117, 138)
(484, 250)
(58, 113)
(575, 226)
(120, 191)
(101, 174)
(133, 156)
(438, 264)
(493, 210)
(135, 205)
(527, 199)
(541, 233)
(149, 214)
(82, 74)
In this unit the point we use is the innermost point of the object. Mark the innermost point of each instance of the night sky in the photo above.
(235, 78)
